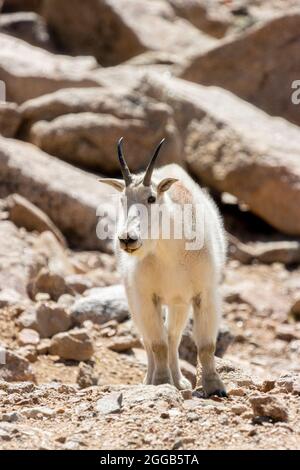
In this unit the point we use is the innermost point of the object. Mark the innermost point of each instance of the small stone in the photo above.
(39, 411)
(86, 377)
(75, 344)
(239, 409)
(9, 297)
(248, 383)
(27, 319)
(28, 336)
(43, 346)
(42, 297)
(123, 343)
(50, 283)
(21, 387)
(286, 386)
(111, 403)
(247, 415)
(286, 333)
(28, 352)
(4, 435)
(268, 406)
(236, 392)
(267, 385)
(192, 416)
(71, 445)
(52, 319)
(78, 283)
(295, 310)
(296, 387)
(11, 417)
(66, 300)
(16, 368)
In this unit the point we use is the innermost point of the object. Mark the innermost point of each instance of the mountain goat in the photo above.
(165, 274)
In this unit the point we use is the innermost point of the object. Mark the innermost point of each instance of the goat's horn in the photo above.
(124, 168)
(150, 167)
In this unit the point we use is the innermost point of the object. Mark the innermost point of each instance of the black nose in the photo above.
(128, 239)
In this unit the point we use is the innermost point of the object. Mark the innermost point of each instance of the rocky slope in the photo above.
(71, 361)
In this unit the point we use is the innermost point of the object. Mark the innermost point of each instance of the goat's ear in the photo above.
(119, 185)
(165, 184)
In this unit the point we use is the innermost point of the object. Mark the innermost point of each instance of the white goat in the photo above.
(162, 272)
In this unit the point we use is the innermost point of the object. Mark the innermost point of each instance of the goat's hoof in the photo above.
(159, 379)
(183, 384)
(147, 380)
(219, 393)
(213, 385)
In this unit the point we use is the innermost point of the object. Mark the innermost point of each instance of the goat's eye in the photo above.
(151, 199)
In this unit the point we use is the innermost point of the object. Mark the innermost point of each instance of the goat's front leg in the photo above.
(147, 314)
(206, 322)
(176, 321)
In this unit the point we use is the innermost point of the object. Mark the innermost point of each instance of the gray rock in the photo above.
(111, 403)
(101, 305)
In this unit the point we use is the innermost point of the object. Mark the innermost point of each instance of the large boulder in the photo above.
(22, 5)
(25, 214)
(29, 71)
(10, 119)
(259, 65)
(19, 261)
(213, 21)
(27, 26)
(233, 147)
(83, 125)
(67, 195)
(116, 30)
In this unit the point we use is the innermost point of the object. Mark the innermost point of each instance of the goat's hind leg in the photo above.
(206, 322)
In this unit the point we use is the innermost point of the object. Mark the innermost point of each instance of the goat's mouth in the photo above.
(131, 250)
